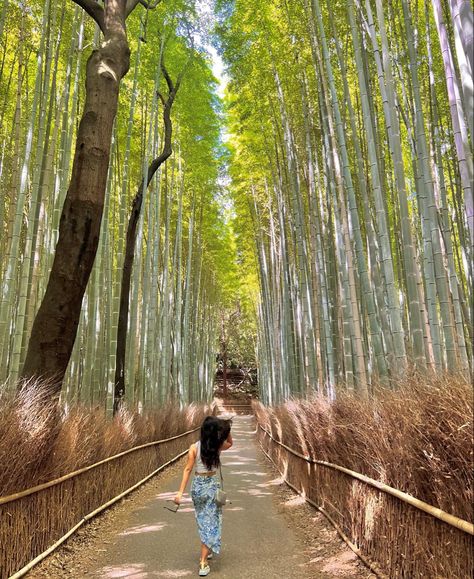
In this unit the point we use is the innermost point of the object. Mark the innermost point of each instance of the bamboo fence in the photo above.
(395, 534)
(34, 520)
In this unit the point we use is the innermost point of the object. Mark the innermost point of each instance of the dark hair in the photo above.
(214, 432)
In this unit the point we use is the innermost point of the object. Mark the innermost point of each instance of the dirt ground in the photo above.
(269, 531)
(324, 550)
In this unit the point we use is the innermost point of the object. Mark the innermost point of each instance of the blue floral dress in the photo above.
(208, 513)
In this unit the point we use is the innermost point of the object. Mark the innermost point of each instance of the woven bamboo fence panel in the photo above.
(397, 538)
(33, 520)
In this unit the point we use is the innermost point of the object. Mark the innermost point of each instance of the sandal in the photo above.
(204, 569)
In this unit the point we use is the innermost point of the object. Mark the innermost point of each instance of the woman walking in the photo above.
(204, 457)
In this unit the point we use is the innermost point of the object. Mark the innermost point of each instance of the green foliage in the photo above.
(195, 168)
(281, 109)
(247, 189)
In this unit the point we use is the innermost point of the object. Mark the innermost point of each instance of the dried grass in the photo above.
(40, 441)
(418, 439)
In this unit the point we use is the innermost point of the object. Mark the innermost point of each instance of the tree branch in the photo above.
(169, 82)
(132, 4)
(124, 307)
(94, 10)
(167, 146)
(180, 77)
(173, 87)
(162, 98)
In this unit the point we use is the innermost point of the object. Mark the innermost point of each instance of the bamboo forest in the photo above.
(252, 216)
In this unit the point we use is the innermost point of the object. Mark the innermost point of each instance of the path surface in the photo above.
(146, 541)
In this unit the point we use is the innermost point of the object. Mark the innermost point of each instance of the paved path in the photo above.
(257, 544)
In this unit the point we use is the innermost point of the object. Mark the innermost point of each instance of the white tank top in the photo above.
(199, 465)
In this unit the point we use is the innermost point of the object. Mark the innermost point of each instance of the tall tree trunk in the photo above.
(387, 91)
(428, 199)
(119, 388)
(44, 141)
(10, 279)
(55, 326)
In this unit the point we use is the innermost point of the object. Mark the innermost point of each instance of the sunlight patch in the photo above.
(143, 529)
(295, 502)
(125, 571)
(173, 573)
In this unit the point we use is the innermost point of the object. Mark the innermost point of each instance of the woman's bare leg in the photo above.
(204, 552)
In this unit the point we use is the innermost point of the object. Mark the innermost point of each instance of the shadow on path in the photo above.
(257, 543)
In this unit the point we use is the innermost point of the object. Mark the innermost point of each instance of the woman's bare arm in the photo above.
(228, 443)
(186, 474)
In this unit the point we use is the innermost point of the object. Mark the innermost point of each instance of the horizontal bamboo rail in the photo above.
(22, 572)
(32, 490)
(36, 521)
(372, 566)
(433, 511)
(395, 534)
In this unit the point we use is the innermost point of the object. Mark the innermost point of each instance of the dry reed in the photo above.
(40, 441)
(417, 439)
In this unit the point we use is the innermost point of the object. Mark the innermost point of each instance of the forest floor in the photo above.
(268, 530)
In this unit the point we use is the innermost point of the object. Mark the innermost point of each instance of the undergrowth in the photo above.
(41, 441)
(417, 438)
